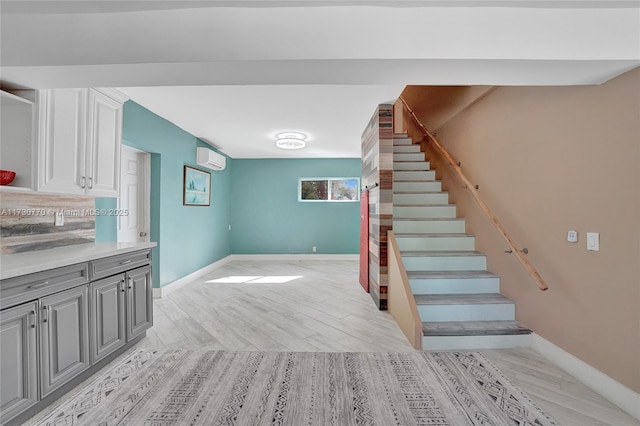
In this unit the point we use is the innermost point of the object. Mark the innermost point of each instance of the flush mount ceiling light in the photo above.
(291, 140)
(290, 143)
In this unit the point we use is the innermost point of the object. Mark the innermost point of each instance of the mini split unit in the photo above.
(210, 159)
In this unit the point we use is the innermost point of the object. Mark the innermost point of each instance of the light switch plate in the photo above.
(572, 236)
(593, 241)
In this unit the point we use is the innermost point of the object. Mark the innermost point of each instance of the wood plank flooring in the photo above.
(319, 306)
(267, 306)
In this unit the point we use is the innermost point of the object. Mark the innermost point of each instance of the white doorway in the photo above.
(135, 195)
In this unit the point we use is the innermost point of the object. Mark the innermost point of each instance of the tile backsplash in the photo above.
(27, 221)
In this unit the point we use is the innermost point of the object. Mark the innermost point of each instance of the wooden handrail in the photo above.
(512, 245)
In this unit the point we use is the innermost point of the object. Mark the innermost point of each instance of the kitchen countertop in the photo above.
(14, 265)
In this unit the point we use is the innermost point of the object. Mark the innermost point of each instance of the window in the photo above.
(329, 189)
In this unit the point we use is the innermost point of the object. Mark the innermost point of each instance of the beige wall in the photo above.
(436, 105)
(549, 160)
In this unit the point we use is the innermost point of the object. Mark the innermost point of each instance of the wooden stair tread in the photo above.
(427, 218)
(451, 274)
(440, 253)
(461, 299)
(426, 169)
(473, 328)
(431, 234)
(422, 205)
(418, 192)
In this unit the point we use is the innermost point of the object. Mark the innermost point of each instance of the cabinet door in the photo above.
(139, 301)
(107, 316)
(18, 357)
(103, 147)
(62, 137)
(64, 337)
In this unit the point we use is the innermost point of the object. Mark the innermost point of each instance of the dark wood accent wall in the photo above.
(377, 167)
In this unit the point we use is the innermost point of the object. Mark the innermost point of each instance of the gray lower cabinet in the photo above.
(107, 298)
(60, 325)
(121, 310)
(18, 360)
(139, 301)
(64, 337)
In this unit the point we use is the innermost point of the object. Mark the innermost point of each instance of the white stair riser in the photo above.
(402, 141)
(444, 343)
(411, 165)
(414, 175)
(406, 212)
(419, 156)
(429, 226)
(432, 186)
(455, 285)
(436, 243)
(405, 148)
(468, 312)
(445, 263)
(434, 198)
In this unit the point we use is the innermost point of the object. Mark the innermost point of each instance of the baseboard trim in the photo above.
(616, 392)
(295, 256)
(159, 293)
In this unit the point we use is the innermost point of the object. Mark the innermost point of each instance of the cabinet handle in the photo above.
(32, 318)
(130, 283)
(124, 262)
(45, 317)
(122, 286)
(84, 182)
(90, 182)
(42, 284)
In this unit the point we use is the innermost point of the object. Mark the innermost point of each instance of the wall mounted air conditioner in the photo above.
(210, 159)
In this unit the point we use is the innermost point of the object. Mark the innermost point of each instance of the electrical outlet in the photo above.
(59, 218)
(313, 249)
(572, 236)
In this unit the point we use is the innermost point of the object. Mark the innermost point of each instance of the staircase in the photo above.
(458, 300)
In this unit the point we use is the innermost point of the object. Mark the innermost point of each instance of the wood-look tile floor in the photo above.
(319, 306)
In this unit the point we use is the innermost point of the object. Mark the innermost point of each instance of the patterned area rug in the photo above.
(177, 387)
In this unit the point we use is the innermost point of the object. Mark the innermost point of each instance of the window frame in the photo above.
(328, 179)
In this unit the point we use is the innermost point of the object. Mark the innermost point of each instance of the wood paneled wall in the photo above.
(27, 221)
(377, 168)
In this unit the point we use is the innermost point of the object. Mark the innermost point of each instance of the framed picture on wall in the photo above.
(197, 187)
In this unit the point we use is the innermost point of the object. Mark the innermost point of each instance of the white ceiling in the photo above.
(236, 76)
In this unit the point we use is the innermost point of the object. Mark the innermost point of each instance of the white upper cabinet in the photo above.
(104, 140)
(62, 141)
(80, 133)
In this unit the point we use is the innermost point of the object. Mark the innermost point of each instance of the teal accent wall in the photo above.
(106, 226)
(259, 198)
(189, 237)
(267, 217)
